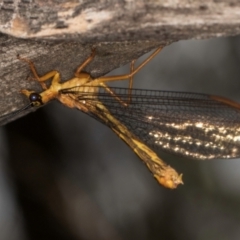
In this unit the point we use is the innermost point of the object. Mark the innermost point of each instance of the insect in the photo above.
(192, 125)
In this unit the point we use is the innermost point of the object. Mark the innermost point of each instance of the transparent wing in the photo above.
(187, 124)
(6, 118)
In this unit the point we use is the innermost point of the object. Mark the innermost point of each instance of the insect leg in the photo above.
(111, 92)
(97, 81)
(100, 81)
(85, 63)
(54, 74)
(130, 82)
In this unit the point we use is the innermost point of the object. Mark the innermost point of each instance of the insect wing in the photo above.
(5, 118)
(187, 124)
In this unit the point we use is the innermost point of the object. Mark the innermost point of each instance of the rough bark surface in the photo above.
(60, 34)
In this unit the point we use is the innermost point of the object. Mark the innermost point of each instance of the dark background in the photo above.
(65, 176)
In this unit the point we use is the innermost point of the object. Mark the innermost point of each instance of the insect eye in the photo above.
(35, 99)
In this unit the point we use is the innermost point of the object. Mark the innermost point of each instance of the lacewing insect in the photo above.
(192, 125)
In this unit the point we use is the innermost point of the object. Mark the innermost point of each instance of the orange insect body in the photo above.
(83, 82)
(193, 125)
